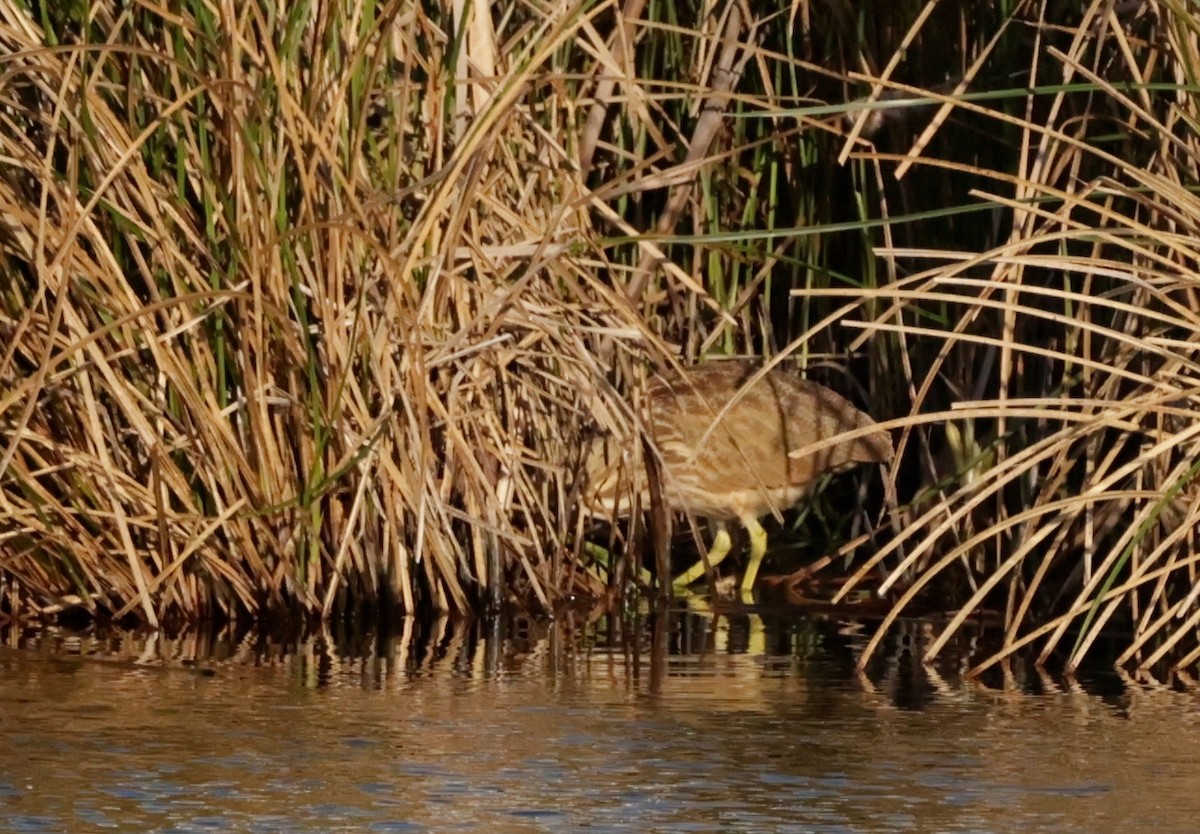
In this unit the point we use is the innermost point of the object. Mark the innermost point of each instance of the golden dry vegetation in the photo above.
(310, 307)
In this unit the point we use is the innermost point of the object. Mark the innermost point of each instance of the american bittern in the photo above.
(725, 439)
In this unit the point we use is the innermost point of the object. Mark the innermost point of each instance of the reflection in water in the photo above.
(686, 723)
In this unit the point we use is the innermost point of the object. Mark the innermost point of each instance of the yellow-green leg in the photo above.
(721, 546)
(758, 549)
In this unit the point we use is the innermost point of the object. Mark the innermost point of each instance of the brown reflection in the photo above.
(640, 651)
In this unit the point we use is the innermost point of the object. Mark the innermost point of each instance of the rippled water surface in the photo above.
(448, 730)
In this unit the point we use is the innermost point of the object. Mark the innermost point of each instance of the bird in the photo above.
(730, 442)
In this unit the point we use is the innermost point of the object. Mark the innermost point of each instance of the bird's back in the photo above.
(726, 434)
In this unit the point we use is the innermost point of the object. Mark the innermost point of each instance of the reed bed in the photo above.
(309, 310)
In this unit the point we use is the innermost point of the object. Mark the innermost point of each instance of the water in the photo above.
(450, 730)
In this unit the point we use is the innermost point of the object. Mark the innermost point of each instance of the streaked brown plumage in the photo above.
(743, 467)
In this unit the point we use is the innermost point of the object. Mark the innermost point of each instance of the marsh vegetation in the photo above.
(313, 308)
